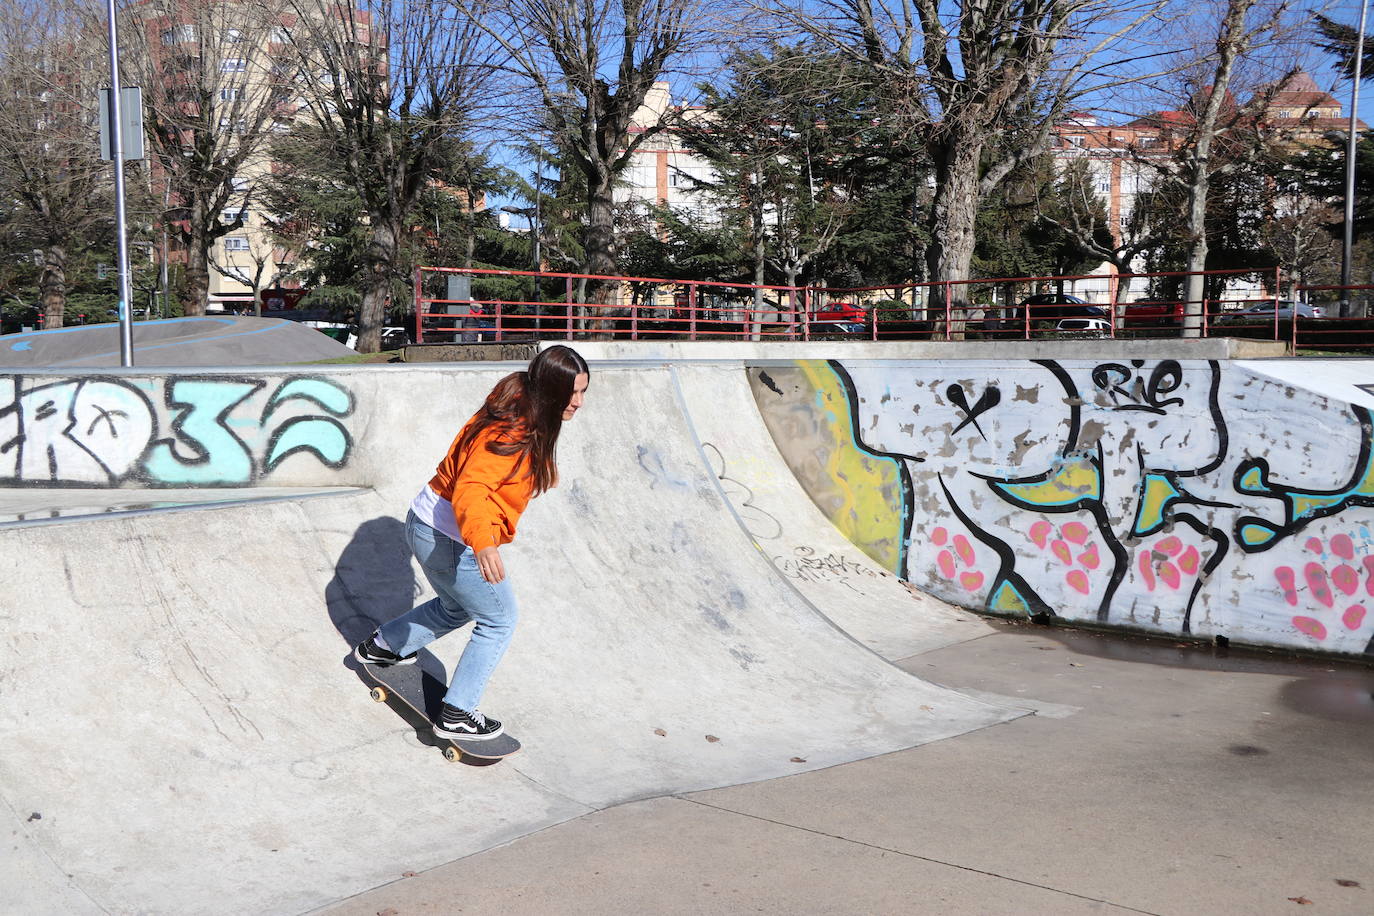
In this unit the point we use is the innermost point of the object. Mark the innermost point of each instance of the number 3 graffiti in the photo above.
(176, 431)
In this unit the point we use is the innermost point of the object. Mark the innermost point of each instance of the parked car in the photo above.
(839, 318)
(1152, 314)
(1085, 327)
(1265, 311)
(1055, 307)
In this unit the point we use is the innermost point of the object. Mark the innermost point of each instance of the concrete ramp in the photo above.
(205, 340)
(181, 732)
(836, 577)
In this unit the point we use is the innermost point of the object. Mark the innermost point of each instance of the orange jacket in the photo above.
(486, 490)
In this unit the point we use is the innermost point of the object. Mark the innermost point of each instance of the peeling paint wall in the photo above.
(171, 430)
(1191, 497)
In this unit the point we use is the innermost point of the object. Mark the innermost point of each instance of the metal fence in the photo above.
(471, 304)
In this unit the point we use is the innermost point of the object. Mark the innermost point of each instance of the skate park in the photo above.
(749, 674)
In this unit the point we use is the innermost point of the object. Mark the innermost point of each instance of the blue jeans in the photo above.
(461, 596)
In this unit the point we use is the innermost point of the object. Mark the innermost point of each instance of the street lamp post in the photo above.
(1349, 238)
(126, 336)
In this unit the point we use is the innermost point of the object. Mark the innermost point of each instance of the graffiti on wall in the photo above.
(168, 431)
(1173, 496)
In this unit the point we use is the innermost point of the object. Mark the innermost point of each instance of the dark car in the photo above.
(1045, 307)
(1057, 306)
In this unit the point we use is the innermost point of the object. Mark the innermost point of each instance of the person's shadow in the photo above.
(373, 582)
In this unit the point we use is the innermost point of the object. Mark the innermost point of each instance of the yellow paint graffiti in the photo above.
(866, 500)
(1072, 482)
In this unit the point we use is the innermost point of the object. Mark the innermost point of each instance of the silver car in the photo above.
(1265, 311)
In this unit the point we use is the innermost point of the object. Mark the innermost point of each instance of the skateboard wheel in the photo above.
(379, 694)
(451, 754)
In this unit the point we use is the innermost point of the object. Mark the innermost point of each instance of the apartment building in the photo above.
(662, 170)
(224, 79)
(1126, 160)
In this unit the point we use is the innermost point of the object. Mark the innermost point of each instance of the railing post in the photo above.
(949, 313)
(419, 300)
(634, 318)
(569, 299)
(499, 309)
(691, 311)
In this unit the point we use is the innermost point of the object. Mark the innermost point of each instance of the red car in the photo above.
(840, 317)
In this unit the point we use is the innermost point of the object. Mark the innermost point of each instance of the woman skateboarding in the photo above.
(502, 458)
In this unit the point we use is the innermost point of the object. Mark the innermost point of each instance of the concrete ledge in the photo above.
(1097, 348)
(485, 352)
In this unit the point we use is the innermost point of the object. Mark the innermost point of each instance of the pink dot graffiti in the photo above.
(960, 547)
(1167, 562)
(1323, 583)
(1062, 548)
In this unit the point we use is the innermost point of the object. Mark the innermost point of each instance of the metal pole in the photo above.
(126, 334)
(1350, 169)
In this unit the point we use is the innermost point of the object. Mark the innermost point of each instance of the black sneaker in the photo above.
(458, 723)
(369, 653)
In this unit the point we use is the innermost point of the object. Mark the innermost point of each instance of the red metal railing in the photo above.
(705, 310)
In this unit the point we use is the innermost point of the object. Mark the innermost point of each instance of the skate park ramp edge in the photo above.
(183, 732)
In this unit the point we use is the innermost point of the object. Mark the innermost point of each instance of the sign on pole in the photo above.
(131, 114)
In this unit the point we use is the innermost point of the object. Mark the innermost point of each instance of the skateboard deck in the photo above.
(423, 693)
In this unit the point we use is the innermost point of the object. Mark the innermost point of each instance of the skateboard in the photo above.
(422, 693)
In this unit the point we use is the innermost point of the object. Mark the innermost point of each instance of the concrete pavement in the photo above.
(1154, 778)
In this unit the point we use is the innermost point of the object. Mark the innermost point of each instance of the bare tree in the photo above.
(1086, 219)
(260, 254)
(984, 81)
(591, 64)
(1241, 25)
(391, 86)
(214, 83)
(49, 135)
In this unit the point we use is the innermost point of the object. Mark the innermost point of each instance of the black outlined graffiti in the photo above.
(805, 565)
(759, 522)
(990, 398)
(1129, 388)
(174, 431)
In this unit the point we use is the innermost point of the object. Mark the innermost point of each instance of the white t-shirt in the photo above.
(436, 512)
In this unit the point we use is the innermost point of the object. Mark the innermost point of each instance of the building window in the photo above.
(240, 184)
(233, 36)
(236, 243)
(231, 93)
(1074, 140)
(179, 34)
(230, 214)
(233, 65)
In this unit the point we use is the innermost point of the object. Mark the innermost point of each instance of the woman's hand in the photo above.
(489, 562)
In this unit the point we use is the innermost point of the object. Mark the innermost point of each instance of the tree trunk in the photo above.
(195, 291)
(760, 250)
(1232, 41)
(949, 256)
(379, 261)
(53, 285)
(600, 249)
(1196, 295)
(756, 321)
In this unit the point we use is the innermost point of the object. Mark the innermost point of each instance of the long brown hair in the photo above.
(526, 410)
